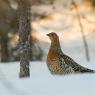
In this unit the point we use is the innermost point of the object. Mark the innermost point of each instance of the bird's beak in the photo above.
(47, 34)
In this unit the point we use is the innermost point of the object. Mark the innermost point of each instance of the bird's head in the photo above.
(53, 36)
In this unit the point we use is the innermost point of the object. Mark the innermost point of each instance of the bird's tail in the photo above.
(88, 71)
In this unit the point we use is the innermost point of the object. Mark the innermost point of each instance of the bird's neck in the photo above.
(55, 45)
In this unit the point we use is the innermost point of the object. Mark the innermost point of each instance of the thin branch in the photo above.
(81, 30)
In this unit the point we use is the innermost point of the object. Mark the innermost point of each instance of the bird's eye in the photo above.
(52, 34)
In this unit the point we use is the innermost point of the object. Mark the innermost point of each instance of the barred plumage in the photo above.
(58, 62)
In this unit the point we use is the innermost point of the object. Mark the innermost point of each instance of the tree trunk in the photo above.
(24, 35)
(4, 46)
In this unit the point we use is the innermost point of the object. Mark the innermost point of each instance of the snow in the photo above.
(70, 85)
(41, 82)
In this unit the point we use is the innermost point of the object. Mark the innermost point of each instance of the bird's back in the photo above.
(75, 66)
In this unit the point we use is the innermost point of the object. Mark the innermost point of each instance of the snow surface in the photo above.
(42, 82)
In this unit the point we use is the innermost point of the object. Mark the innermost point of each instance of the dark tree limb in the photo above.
(84, 39)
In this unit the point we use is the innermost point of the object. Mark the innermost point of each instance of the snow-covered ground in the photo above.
(42, 82)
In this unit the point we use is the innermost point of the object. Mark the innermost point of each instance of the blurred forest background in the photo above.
(41, 12)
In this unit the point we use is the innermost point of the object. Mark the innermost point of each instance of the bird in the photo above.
(59, 63)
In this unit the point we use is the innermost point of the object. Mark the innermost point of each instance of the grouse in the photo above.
(59, 63)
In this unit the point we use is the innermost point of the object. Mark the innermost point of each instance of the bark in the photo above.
(4, 46)
(24, 35)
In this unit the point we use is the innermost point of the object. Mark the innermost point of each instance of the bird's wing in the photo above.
(75, 66)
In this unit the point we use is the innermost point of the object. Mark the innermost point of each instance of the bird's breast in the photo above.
(52, 55)
(54, 64)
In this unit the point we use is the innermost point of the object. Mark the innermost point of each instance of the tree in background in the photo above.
(7, 19)
(79, 17)
(90, 2)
